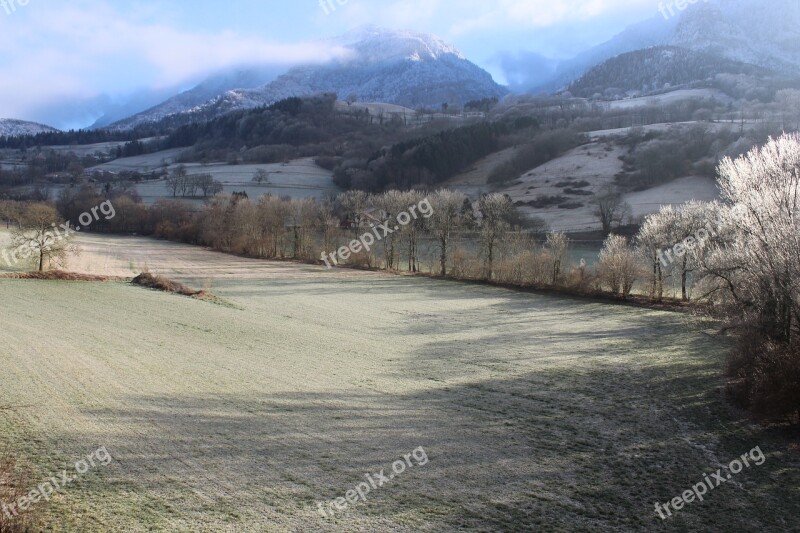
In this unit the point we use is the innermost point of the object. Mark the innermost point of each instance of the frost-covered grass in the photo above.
(537, 413)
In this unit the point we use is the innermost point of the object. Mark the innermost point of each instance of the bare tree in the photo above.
(413, 229)
(618, 266)
(391, 203)
(653, 238)
(355, 204)
(446, 218)
(495, 210)
(610, 208)
(176, 181)
(328, 223)
(261, 176)
(208, 185)
(557, 246)
(40, 237)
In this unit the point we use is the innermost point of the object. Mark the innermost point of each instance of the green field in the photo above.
(536, 413)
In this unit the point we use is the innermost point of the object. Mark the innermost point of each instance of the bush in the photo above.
(765, 378)
(542, 201)
(578, 192)
(464, 265)
(163, 284)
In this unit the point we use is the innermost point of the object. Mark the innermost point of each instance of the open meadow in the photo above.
(556, 414)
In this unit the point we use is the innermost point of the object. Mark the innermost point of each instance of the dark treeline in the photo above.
(289, 129)
(421, 162)
(77, 137)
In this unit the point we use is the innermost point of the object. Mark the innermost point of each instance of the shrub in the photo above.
(765, 377)
(618, 266)
(464, 265)
(577, 192)
(542, 201)
(160, 283)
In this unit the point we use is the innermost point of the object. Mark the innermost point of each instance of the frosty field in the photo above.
(537, 413)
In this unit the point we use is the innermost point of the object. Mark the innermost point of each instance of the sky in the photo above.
(62, 53)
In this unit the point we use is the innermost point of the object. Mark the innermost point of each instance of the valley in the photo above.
(399, 266)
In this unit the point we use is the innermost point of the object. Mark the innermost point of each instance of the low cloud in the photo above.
(74, 51)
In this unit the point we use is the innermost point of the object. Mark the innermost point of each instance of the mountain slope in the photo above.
(738, 30)
(240, 78)
(653, 32)
(395, 67)
(745, 30)
(10, 127)
(655, 69)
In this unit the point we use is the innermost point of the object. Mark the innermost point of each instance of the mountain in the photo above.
(739, 30)
(10, 127)
(246, 77)
(656, 69)
(647, 34)
(396, 67)
(750, 31)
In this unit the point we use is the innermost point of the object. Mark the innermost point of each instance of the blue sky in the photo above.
(59, 51)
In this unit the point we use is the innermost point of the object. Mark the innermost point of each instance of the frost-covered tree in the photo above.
(754, 266)
(618, 266)
(557, 246)
(39, 238)
(447, 218)
(494, 209)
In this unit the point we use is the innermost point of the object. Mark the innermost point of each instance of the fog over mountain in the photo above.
(417, 69)
(740, 30)
(398, 67)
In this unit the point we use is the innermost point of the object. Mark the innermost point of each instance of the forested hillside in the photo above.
(656, 69)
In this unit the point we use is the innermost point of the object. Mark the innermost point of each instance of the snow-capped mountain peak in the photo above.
(396, 67)
(386, 44)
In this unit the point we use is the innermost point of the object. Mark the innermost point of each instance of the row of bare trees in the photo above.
(181, 182)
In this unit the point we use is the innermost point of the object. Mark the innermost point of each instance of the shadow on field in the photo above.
(585, 446)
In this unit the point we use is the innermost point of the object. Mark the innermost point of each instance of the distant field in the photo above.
(299, 179)
(536, 413)
(669, 98)
(595, 163)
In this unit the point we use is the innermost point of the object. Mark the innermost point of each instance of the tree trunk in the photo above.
(443, 258)
(684, 275)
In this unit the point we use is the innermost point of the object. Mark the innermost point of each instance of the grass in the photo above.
(537, 413)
